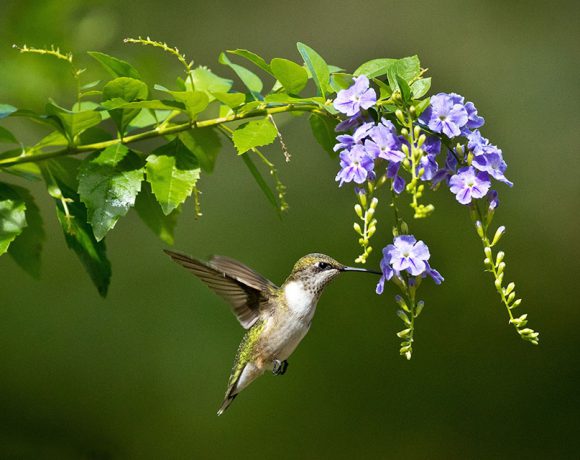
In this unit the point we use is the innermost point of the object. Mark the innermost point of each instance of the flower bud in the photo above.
(479, 229)
(399, 115)
(501, 267)
(374, 203)
(404, 333)
(510, 287)
(404, 132)
(358, 210)
(487, 252)
(498, 234)
(357, 228)
(419, 308)
(405, 149)
(421, 140)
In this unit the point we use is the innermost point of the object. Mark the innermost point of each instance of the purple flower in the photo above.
(445, 114)
(468, 184)
(476, 142)
(492, 199)
(358, 96)
(406, 254)
(356, 165)
(446, 172)
(393, 173)
(473, 119)
(384, 143)
(432, 145)
(429, 165)
(493, 164)
(346, 141)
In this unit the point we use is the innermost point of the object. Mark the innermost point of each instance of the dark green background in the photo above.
(141, 374)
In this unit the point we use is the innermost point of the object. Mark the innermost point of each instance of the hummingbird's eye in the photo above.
(323, 265)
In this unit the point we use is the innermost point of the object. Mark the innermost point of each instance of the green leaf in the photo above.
(261, 182)
(7, 137)
(195, 102)
(12, 216)
(72, 216)
(249, 78)
(118, 103)
(172, 171)
(53, 139)
(408, 68)
(375, 67)
(292, 76)
(108, 189)
(6, 110)
(204, 143)
(73, 123)
(318, 67)
(421, 87)
(27, 248)
(324, 133)
(150, 212)
(232, 100)
(339, 81)
(252, 57)
(127, 89)
(421, 105)
(115, 66)
(405, 89)
(206, 81)
(254, 134)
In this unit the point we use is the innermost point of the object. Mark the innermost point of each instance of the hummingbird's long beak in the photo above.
(357, 269)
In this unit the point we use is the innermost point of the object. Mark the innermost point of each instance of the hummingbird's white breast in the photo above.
(288, 327)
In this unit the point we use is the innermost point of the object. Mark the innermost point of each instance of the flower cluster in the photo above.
(406, 254)
(468, 168)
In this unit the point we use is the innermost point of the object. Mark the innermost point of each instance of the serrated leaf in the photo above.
(7, 137)
(6, 110)
(108, 190)
(292, 76)
(408, 68)
(204, 143)
(126, 89)
(27, 248)
(73, 123)
(151, 214)
(115, 66)
(421, 87)
(172, 171)
(206, 81)
(232, 100)
(375, 67)
(254, 134)
(73, 220)
(249, 78)
(318, 67)
(12, 216)
(252, 57)
(195, 102)
(324, 133)
(111, 155)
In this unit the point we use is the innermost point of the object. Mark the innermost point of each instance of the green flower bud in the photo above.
(400, 116)
(357, 228)
(498, 234)
(358, 210)
(499, 258)
(510, 287)
(421, 140)
(487, 252)
(374, 203)
(501, 267)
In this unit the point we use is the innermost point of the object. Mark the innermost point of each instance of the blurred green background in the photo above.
(142, 373)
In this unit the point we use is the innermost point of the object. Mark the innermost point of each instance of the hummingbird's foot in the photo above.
(279, 367)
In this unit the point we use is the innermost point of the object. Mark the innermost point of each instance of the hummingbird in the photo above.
(276, 318)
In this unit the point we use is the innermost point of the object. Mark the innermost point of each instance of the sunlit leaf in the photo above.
(249, 78)
(292, 76)
(73, 123)
(208, 82)
(108, 187)
(195, 102)
(115, 66)
(421, 87)
(375, 67)
(232, 100)
(252, 57)
(318, 67)
(126, 89)
(254, 134)
(172, 171)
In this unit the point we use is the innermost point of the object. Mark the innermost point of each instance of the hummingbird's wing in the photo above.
(244, 289)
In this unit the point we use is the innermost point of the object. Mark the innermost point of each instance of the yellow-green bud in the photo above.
(416, 131)
(357, 228)
(421, 140)
(487, 252)
(399, 115)
(510, 287)
(358, 210)
(374, 203)
(498, 234)
(501, 267)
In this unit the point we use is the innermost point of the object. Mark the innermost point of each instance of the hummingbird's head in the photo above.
(315, 271)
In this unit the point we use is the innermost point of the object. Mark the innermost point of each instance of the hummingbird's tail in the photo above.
(229, 399)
